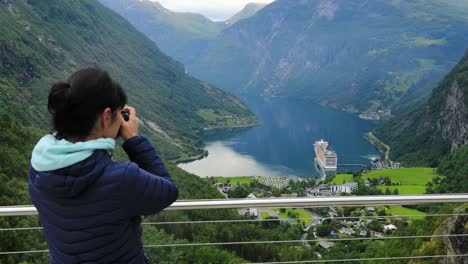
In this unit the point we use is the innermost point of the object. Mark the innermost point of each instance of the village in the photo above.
(321, 224)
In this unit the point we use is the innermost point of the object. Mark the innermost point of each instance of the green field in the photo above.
(405, 176)
(225, 119)
(402, 211)
(342, 178)
(234, 180)
(410, 180)
(264, 215)
(209, 114)
(301, 213)
(405, 189)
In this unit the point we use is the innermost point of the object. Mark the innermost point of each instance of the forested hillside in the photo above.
(43, 41)
(431, 131)
(178, 34)
(362, 56)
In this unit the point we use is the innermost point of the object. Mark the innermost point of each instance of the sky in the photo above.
(216, 10)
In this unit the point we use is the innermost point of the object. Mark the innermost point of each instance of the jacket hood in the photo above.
(73, 180)
(64, 169)
(51, 154)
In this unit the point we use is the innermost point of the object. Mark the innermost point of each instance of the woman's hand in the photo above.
(129, 129)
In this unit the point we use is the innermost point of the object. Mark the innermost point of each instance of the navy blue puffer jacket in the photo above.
(91, 211)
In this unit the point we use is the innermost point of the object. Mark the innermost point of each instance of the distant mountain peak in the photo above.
(249, 10)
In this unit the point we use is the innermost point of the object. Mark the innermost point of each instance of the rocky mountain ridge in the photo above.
(180, 35)
(249, 10)
(432, 130)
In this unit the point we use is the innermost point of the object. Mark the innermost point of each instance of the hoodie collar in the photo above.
(51, 154)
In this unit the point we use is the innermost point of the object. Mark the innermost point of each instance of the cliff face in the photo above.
(431, 131)
(456, 245)
(453, 122)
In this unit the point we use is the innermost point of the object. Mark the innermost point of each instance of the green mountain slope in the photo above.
(432, 130)
(177, 34)
(180, 35)
(42, 41)
(356, 55)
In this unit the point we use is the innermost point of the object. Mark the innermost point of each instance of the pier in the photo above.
(353, 165)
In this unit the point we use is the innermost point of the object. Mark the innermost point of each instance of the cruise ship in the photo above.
(326, 157)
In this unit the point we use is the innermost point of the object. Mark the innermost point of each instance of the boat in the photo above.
(325, 156)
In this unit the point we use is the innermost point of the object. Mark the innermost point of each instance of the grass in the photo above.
(410, 180)
(225, 119)
(405, 176)
(301, 213)
(264, 215)
(405, 189)
(235, 180)
(208, 114)
(412, 214)
(342, 178)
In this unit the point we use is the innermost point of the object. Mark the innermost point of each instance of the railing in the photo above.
(353, 201)
(284, 202)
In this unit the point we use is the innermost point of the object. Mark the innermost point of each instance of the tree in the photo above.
(323, 230)
(387, 191)
(375, 226)
(395, 191)
(381, 212)
(238, 192)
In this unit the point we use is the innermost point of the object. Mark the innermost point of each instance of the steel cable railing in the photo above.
(284, 203)
(263, 220)
(364, 259)
(357, 201)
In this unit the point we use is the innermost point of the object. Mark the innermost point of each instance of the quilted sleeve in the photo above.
(147, 186)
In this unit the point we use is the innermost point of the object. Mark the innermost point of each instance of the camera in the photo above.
(125, 115)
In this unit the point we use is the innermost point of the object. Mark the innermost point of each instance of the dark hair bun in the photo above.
(76, 103)
(58, 96)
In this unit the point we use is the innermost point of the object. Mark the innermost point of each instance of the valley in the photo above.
(234, 108)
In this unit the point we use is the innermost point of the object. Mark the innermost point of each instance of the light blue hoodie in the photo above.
(51, 154)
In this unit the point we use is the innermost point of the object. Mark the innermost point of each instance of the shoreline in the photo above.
(228, 127)
(205, 153)
(382, 147)
(192, 158)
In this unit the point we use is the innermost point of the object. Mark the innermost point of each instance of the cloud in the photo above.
(218, 10)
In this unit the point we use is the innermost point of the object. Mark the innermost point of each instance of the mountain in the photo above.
(180, 35)
(43, 41)
(248, 11)
(431, 131)
(177, 34)
(435, 133)
(360, 56)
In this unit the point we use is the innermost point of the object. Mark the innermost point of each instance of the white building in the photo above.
(249, 211)
(348, 187)
(347, 231)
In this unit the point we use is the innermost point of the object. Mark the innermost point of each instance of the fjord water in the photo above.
(282, 145)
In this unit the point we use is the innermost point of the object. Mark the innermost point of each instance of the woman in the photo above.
(90, 206)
